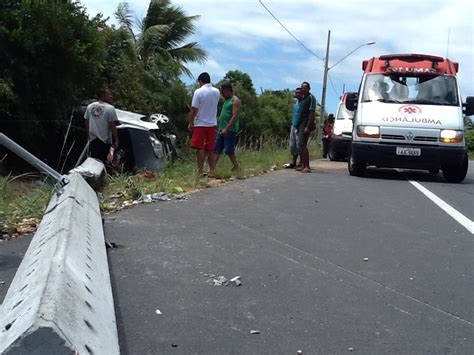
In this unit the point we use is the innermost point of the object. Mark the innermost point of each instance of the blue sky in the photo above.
(242, 35)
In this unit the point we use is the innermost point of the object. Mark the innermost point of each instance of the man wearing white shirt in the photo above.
(203, 122)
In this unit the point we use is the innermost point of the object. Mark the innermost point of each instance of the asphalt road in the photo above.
(299, 242)
(330, 264)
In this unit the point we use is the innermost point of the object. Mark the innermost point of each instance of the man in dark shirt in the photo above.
(305, 124)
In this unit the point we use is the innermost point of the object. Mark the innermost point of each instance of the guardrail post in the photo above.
(61, 180)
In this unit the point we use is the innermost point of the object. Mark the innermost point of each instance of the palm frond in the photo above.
(123, 14)
(190, 52)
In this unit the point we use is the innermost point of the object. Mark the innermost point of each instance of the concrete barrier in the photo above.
(60, 301)
(93, 171)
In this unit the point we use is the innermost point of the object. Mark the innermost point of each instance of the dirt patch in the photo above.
(328, 165)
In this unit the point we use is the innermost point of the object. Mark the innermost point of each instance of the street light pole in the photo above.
(325, 77)
(323, 93)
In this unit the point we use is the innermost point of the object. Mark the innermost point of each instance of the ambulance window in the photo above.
(376, 88)
(437, 90)
(426, 89)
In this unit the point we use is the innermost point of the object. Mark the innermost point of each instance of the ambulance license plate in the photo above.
(411, 152)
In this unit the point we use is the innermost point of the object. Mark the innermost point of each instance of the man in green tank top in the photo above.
(228, 126)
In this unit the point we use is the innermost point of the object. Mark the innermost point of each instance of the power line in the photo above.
(332, 85)
(289, 32)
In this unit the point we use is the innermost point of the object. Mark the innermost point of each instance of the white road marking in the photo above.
(455, 214)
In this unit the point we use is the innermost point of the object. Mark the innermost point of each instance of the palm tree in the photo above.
(159, 36)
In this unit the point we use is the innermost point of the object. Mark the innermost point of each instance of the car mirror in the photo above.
(351, 101)
(469, 106)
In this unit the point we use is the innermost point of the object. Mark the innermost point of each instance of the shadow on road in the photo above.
(418, 175)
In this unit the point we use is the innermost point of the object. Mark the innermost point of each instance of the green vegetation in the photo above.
(20, 201)
(53, 56)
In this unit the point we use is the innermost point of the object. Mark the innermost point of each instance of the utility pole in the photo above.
(323, 93)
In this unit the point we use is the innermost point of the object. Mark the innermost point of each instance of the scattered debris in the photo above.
(236, 281)
(144, 175)
(28, 225)
(366, 259)
(350, 349)
(220, 281)
(255, 331)
(161, 196)
(2, 282)
(110, 245)
(145, 199)
(174, 345)
(299, 352)
(411, 278)
(158, 311)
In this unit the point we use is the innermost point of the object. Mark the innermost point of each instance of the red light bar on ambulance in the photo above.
(416, 64)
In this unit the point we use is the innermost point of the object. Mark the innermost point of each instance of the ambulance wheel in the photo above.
(456, 172)
(355, 166)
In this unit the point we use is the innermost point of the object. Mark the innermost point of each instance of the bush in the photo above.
(469, 137)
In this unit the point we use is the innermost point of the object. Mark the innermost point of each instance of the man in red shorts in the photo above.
(203, 122)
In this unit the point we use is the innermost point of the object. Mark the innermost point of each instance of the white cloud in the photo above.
(241, 34)
(211, 66)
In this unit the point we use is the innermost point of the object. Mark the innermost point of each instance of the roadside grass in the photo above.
(181, 176)
(22, 202)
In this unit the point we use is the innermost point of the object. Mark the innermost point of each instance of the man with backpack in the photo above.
(305, 124)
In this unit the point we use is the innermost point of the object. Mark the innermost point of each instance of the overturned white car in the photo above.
(145, 141)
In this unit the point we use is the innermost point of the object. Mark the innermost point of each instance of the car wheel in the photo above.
(355, 166)
(434, 171)
(333, 156)
(456, 172)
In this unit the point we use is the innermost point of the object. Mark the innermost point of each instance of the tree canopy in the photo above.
(158, 38)
(53, 56)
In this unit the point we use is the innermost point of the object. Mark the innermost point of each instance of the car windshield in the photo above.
(396, 88)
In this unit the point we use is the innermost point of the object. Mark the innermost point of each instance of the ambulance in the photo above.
(408, 114)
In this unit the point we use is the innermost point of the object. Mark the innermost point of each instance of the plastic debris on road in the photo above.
(366, 259)
(161, 196)
(253, 331)
(236, 281)
(219, 280)
(158, 311)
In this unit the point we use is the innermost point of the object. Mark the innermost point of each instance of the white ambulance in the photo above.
(409, 114)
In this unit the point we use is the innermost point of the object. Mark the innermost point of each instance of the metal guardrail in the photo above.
(61, 180)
